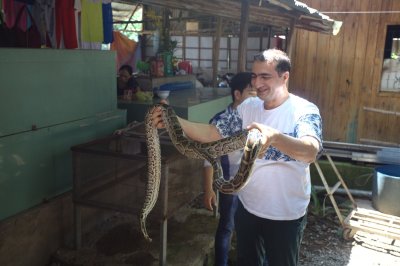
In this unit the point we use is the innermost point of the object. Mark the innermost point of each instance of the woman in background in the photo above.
(126, 83)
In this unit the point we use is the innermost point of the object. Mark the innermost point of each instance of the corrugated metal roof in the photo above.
(275, 13)
(310, 18)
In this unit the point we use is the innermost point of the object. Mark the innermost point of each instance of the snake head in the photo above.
(254, 136)
(255, 142)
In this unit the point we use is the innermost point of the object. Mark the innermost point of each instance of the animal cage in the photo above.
(111, 174)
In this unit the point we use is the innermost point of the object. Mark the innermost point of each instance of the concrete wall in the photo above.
(30, 237)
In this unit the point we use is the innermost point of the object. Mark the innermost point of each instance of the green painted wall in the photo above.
(45, 87)
(70, 98)
(205, 111)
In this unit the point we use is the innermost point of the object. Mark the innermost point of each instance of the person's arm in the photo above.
(209, 198)
(200, 132)
(195, 131)
(303, 149)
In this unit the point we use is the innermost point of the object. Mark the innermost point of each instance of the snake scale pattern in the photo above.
(249, 141)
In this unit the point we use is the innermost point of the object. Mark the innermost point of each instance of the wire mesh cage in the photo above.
(111, 173)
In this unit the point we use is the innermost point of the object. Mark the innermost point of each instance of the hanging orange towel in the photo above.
(125, 48)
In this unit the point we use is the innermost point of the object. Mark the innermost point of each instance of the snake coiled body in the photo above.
(249, 141)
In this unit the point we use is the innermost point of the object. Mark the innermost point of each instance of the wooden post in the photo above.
(165, 35)
(229, 52)
(216, 47)
(269, 38)
(184, 45)
(289, 39)
(244, 26)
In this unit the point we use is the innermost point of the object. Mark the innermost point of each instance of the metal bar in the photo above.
(386, 143)
(77, 211)
(104, 205)
(216, 207)
(77, 226)
(351, 146)
(355, 152)
(123, 175)
(164, 221)
(354, 192)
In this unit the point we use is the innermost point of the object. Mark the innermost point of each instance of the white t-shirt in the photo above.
(279, 186)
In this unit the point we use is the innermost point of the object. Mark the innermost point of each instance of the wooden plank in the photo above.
(374, 222)
(331, 124)
(297, 81)
(378, 101)
(357, 77)
(383, 133)
(323, 73)
(342, 73)
(369, 212)
(367, 88)
(380, 43)
(373, 225)
(310, 61)
(347, 97)
(375, 230)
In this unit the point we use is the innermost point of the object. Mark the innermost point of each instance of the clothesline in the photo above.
(362, 12)
(67, 24)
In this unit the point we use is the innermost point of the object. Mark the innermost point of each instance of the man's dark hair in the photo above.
(239, 82)
(127, 68)
(275, 56)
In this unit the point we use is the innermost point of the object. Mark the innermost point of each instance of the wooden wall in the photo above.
(342, 73)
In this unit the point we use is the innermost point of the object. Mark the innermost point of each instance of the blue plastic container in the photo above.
(176, 86)
(386, 189)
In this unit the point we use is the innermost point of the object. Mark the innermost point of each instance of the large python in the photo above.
(249, 141)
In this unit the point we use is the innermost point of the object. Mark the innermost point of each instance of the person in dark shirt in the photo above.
(241, 89)
(126, 82)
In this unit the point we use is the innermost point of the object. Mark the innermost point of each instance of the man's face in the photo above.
(266, 81)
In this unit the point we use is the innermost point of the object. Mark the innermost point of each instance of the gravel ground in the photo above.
(323, 244)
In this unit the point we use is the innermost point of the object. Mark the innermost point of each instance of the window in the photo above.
(390, 78)
(125, 16)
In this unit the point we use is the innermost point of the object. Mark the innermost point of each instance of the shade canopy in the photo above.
(278, 14)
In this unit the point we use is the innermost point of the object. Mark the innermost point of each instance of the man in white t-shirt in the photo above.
(271, 214)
